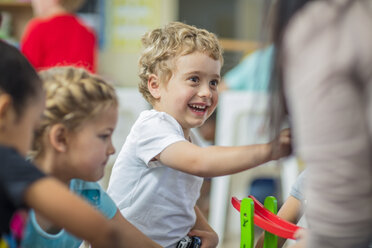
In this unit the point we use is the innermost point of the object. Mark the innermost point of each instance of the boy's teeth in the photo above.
(198, 106)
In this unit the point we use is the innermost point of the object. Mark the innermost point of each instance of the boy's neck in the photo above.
(186, 133)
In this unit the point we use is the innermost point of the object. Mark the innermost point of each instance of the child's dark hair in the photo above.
(17, 77)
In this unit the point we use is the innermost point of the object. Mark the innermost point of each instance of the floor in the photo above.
(234, 242)
(231, 244)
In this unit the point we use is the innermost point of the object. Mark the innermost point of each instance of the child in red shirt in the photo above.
(57, 37)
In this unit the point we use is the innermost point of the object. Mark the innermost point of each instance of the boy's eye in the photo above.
(214, 83)
(194, 79)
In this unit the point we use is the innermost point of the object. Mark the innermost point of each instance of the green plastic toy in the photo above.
(246, 223)
(271, 240)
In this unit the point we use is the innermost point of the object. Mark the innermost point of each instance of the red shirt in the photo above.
(59, 40)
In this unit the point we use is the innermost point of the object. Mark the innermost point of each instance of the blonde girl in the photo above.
(73, 143)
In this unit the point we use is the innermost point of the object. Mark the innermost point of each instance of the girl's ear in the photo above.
(58, 137)
(5, 104)
(153, 85)
(7, 114)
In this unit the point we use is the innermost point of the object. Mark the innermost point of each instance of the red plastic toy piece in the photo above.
(269, 221)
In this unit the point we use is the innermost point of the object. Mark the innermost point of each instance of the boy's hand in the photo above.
(281, 146)
(209, 239)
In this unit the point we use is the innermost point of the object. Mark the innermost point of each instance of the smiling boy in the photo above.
(158, 174)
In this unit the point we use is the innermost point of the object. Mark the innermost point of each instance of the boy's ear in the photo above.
(153, 84)
(58, 137)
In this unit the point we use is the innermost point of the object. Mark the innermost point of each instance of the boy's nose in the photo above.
(205, 91)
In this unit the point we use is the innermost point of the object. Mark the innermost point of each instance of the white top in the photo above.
(155, 198)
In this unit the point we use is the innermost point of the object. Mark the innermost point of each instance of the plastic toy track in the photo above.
(269, 221)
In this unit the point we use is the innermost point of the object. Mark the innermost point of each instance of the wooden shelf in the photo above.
(21, 13)
(238, 45)
(15, 4)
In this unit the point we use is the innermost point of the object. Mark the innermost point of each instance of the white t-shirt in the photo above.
(155, 198)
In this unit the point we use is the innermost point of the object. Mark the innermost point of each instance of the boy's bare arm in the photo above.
(218, 161)
(204, 231)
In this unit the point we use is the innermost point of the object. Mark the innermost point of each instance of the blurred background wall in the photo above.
(120, 24)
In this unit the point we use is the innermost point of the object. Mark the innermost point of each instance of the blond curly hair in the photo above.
(73, 95)
(163, 45)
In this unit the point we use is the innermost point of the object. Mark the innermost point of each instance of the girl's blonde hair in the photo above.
(73, 96)
(173, 40)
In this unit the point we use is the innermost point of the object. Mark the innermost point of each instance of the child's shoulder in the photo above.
(90, 191)
(154, 114)
(154, 124)
(79, 184)
(4, 150)
(12, 161)
(95, 195)
(156, 118)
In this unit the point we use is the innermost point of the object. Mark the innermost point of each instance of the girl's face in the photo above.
(190, 95)
(19, 129)
(90, 146)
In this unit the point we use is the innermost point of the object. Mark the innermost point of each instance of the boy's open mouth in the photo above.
(198, 108)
